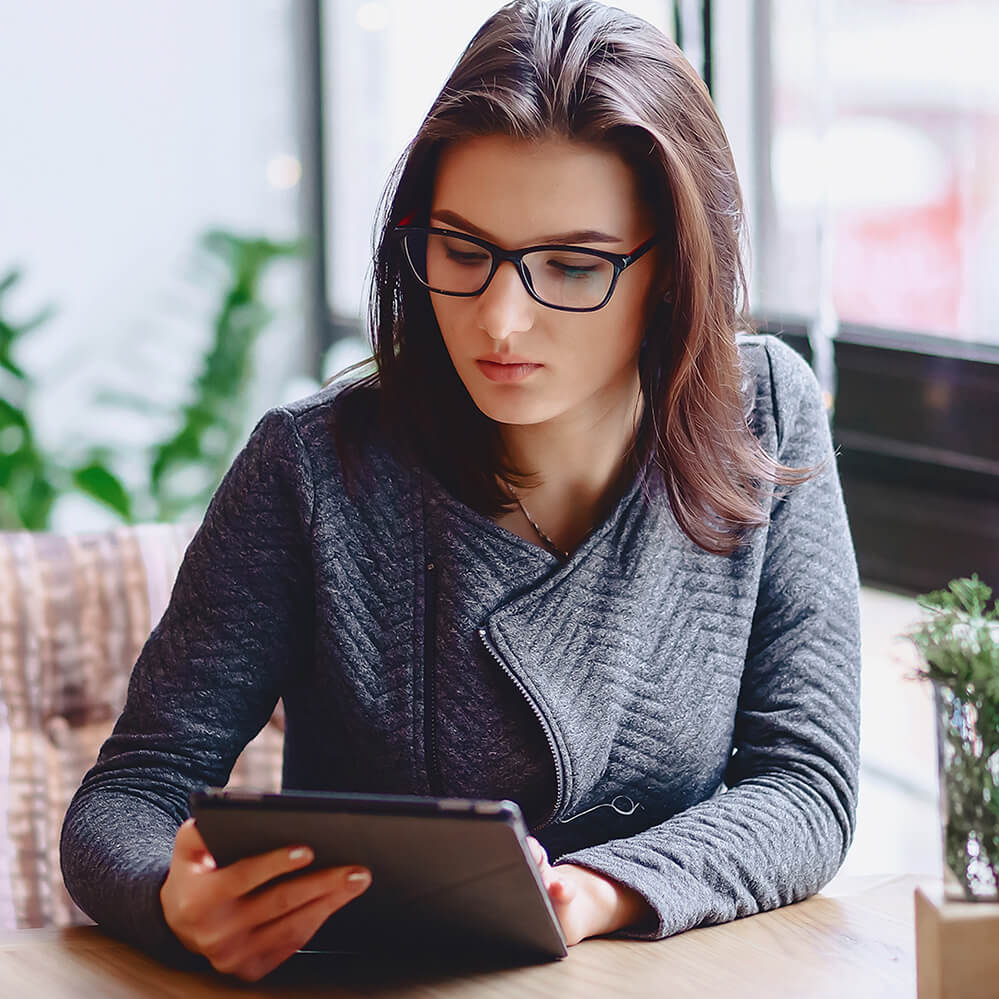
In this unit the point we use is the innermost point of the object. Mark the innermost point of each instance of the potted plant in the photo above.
(31, 479)
(959, 646)
(210, 424)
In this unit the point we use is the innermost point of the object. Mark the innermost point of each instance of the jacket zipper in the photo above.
(432, 758)
(559, 784)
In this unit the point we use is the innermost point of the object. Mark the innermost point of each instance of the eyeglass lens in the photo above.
(561, 278)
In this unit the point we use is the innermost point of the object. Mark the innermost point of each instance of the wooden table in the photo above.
(854, 940)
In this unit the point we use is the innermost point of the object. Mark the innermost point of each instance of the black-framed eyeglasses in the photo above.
(569, 278)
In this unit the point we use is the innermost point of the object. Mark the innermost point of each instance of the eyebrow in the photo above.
(574, 236)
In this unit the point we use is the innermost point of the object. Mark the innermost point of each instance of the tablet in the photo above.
(446, 872)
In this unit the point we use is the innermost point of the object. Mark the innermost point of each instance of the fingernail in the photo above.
(300, 853)
(359, 878)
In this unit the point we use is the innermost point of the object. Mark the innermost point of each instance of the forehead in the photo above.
(518, 190)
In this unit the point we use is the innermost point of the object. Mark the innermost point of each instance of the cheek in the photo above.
(452, 318)
(616, 338)
(639, 308)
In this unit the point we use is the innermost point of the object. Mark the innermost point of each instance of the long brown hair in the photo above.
(580, 70)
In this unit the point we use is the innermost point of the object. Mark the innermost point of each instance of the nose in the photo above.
(505, 307)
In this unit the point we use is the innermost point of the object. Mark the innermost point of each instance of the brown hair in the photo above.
(580, 70)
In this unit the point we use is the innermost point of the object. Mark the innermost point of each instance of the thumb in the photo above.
(189, 846)
(562, 890)
(539, 853)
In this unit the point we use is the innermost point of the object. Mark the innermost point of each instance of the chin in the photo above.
(513, 408)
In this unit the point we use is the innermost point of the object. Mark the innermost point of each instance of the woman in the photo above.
(577, 543)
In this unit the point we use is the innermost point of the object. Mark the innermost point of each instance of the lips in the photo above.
(509, 369)
(505, 359)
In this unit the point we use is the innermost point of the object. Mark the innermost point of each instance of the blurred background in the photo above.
(186, 221)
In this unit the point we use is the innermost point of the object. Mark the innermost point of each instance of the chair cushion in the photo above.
(75, 611)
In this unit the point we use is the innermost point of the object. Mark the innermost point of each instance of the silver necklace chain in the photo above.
(537, 527)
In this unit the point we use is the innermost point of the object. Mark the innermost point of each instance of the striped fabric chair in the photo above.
(75, 611)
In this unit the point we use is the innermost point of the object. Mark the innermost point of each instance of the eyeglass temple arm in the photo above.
(639, 251)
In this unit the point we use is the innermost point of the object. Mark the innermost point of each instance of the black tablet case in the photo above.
(445, 873)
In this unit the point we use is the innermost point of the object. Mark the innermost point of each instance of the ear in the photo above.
(665, 292)
(661, 292)
(665, 286)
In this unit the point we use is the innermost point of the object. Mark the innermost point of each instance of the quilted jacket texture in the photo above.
(717, 695)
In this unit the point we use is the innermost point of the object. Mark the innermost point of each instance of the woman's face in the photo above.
(522, 362)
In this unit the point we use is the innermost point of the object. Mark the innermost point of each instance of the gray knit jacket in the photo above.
(717, 697)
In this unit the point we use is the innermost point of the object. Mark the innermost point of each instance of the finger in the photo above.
(563, 897)
(537, 851)
(274, 942)
(273, 902)
(248, 874)
(561, 891)
(547, 872)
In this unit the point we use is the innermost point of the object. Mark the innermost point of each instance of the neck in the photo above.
(578, 460)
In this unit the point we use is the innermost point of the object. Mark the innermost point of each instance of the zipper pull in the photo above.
(628, 809)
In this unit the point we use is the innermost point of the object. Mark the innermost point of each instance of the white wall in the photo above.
(126, 129)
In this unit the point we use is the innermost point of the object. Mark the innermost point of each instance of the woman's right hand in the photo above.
(244, 926)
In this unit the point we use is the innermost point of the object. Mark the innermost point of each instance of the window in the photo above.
(866, 135)
(884, 149)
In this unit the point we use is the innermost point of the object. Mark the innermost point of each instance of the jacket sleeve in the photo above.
(782, 825)
(237, 625)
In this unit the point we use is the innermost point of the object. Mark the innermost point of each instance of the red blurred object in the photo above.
(902, 267)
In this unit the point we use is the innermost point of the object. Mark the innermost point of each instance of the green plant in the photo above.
(959, 645)
(30, 479)
(186, 467)
(212, 421)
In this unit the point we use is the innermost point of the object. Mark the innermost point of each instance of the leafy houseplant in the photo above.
(212, 420)
(185, 468)
(959, 645)
(31, 480)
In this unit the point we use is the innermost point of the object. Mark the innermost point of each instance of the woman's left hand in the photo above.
(587, 904)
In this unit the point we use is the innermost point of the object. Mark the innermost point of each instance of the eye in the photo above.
(576, 270)
(464, 253)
